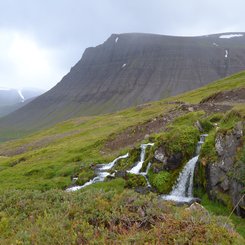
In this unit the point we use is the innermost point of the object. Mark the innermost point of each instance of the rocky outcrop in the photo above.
(166, 162)
(222, 181)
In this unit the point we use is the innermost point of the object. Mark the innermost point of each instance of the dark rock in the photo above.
(121, 174)
(218, 174)
(110, 177)
(174, 161)
(236, 190)
(142, 190)
(160, 155)
(195, 200)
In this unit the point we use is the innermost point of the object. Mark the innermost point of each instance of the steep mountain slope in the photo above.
(70, 152)
(13, 99)
(130, 69)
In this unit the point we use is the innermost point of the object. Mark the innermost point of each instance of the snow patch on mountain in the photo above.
(228, 36)
(21, 95)
(226, 53)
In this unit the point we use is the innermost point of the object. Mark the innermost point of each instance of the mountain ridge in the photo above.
(131, 69)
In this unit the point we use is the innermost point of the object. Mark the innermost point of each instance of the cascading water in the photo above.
(183, 190)
(111, 164)
(136, 169)
(145, 174)
(101, 174)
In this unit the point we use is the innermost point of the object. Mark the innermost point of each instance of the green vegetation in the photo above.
(182, 136)
(33, 171)
(197, 95)
(162, 181)
(104, 217)
(133, 180)
(217, 208)
(128, 163)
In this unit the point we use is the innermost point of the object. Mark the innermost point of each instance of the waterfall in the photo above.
(101, 174)
(136, 169)
(182, 191)
(145, 174)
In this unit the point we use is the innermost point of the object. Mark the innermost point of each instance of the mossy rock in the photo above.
(127, 163)
(182, 136)
(134, 180)
(208, 153)
(162, 181)
(206, 125)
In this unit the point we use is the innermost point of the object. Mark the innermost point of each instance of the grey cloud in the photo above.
(69, 26)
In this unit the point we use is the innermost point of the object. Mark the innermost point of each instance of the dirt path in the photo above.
(137, 133)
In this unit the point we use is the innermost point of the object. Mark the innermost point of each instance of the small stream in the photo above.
(101, 174)
(182, 191)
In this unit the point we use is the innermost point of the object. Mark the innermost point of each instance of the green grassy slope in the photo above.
(33, 169)
(48, 158)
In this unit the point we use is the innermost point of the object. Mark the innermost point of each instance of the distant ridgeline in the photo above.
(131, 69)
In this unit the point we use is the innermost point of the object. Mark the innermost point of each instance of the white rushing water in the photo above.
(145, 174)
(111, 164)
(101, 174)
(182, 191)
(136, 169)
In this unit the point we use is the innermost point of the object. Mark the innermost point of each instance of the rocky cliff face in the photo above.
(225, 177)
(131, 69)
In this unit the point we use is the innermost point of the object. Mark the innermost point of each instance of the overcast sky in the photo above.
(40, 40)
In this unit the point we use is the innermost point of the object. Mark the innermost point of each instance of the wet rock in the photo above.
(160, 155)
(174, 161)
(195, 200)
(168, 162)
(199, 126)
(220, 180)
(110, 177)
(121, 174)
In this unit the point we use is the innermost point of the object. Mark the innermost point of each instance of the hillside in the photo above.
(13, 99)
(128, 70)
(67, 154)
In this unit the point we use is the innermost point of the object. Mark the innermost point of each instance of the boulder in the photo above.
(160, 155)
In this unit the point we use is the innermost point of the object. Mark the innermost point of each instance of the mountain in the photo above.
(36, 171)
(13, 99)
(130, 69)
